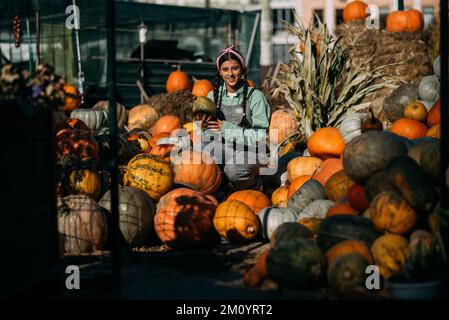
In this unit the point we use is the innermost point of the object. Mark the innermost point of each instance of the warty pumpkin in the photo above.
(326, 143)
(201, 87)
(235, 221)
(326, 169)
(254, 199)
(302, 166)
(390, 253)
(177, 80)
(142, 116)
(355, 10)
(348, 246)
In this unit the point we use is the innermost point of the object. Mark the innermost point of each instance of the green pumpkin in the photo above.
(377, 183)
(310, 191)
(297, 264)
(204, 105)
(289, 231)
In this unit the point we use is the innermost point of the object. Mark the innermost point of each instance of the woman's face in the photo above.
(231, 72)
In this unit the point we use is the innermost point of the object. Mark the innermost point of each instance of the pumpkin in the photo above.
(429, 88)
(302, 166)
(301, 255)
(235, 221)
(203, 106)
(420, 237)
(341, 209)
(279, 196)
(390, 212)
(405, 21)
(94, 119)
(198, 171)
(416, 111)
(289, 231)
(121, 113)
(166, 124)
(142, 116)
(351, 124)
(177, 81)
(78, 124)
(434, 115)
(346, 247)
(338, 185)
(162, 151)
(377, 183)
(393, 105)
(136, 214)
(282, 125)
(417, 150)
(273, 217)
(343, 227)
(370, 152)
(255, 200)
(72, 99)
(390, 253)
(296, 184)
(184, 219)
(326, 143)
(357, 198)
(313, 224)
(311, 190)
(82, 224)
(149, 173)
(141, 139)
(437, 67)
(371, 123)
(409, 128)
(434, 132)
(84, 181)
(259, 272)
(430, 159)
(124, 149)
(328, 168)
(316, 209)
(78, 143)
(346, 275)
(415, 20)
(201, 87)
(355, 10)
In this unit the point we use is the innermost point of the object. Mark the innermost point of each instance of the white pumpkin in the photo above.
(437, 67)
(93, 118)
(273, 217)
(316, 209)
(429, 88)
(310, 191)
(350, 126)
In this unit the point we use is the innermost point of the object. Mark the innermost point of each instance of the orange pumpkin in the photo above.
(75, 123)
(409, 128)
(313, 224)
(282, 124)
(279, 196)
(405, 21)
(355, 10)
(327, 169)
(259, 272)
(142, 116)
(177, 81)
(213, 199)
(72, 98)
(166, 124)
(415, 20)
(76, 142)
(199, 171)
(390, 253)
(296, 184)
(434, 115)
(341, 208)
(254, 199)
(338, 185)
(434, 132)
(348, 246)
(326, 143)
(201, 87)
(184, 218)
(235, 221)
(390, 212)
(416, 111)
(302, 166)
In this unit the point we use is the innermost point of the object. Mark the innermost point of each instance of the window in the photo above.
(281, 15)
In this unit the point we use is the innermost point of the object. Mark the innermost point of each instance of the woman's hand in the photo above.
(204, 121)
(215, 125)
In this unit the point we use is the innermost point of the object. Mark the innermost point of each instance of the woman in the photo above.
(241, 124)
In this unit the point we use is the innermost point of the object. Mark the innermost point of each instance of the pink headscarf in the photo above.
(234, 52)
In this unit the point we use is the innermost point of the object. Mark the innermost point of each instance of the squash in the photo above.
(289, 231)
(309, 191)
(390, 253)
(429, 88)
(347, 247)
(279, 196)
(434, 115)
(302, 166)
(342, 227)
(416, 111)
(235, 221)
(166, 125)
(140, 140)
(355, 10)
(282, 125)
(313, 224)
(405, 21)
(341, 209)
(316, 209)
(124, 149)
(301, 255)
(327, 169)
(198, 171)
(82, 224)
(201, 87)
(421, 237)
(259, 272)
(184, 219)
(430, 159)
(142, 116)
(296, 184)
(434, 132)
(93, 118)
(121, 112)
(346, 275)
(391, 213)
(254, 199)
(357, 198)
(272, 217)
(177, 81)
(371, 123)
(151, 174)
(393, 105)
(84, 181)
(409, 128)
(370, 152)
(338, 185)
(326, 143)
(77, 143)
(351, 125)
(136, 214)
(72, 98)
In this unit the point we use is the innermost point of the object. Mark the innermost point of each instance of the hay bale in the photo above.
(178, 103)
